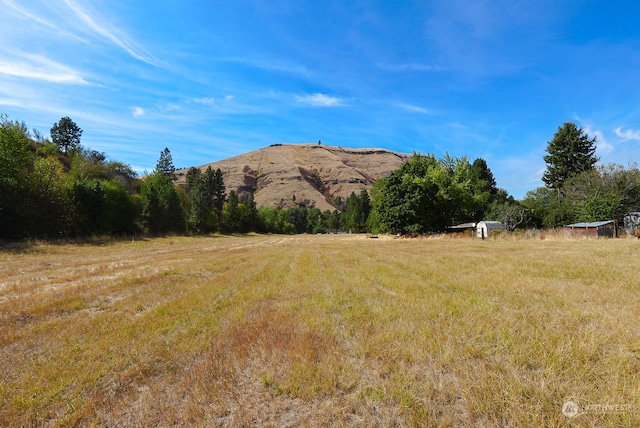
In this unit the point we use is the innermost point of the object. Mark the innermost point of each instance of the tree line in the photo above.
(577, 187)
(427, 194)
(55, 187)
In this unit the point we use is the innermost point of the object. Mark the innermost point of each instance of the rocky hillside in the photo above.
(313, 175)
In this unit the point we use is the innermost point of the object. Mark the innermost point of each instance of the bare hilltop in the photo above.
(311, 175)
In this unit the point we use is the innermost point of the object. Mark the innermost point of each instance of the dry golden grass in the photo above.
(320, 331)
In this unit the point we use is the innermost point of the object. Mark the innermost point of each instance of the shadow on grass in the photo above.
(35, 245)
(31, 245)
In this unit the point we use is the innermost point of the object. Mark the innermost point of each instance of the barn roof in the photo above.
(591, 224)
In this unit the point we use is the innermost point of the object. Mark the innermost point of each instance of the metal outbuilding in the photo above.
(595, 229)
(464, 229)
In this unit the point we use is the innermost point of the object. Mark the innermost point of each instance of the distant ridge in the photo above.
(311, 175)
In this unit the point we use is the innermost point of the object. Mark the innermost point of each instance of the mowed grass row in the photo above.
(321, 330)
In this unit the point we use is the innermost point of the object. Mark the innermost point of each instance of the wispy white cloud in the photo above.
(205, 100)
(42, 22)
(10, 102)
(209, 101)
(319, 100)
(111, 34)
(271, 64)
(41, 68)
(411, 67)
(413, 108)
(628, 134)
(138, 112)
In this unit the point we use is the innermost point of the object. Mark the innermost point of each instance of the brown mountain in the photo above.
(313, 175)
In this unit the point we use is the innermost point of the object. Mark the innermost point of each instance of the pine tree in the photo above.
(571, 152)
(165, 164)
(66, 135)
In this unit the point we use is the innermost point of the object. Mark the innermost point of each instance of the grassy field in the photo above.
(321, 331)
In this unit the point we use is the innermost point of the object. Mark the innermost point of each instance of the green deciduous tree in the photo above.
(606, 192)
(545, 209)
(404, 198)
(50, 207)
(427, 194)
(16, 163)
(89, 198)
(121, 211)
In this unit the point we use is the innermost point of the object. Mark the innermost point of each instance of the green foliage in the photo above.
(89, 198)
(355, 215)
(231, 213)
(297, 217)
(426, 194)
(570, 153)
(165, 165)
(66, 135)
(271, 220)
(297, 220)
(161, 208)
(545, 209)
(16, 156)
(601, 205)
(249, 218)
(316, 222)
(218, 191)
(16, 164)
(484, 187)
(606, 192)
(121, 211)
(206, 197)
(200, 215)
(50, 208)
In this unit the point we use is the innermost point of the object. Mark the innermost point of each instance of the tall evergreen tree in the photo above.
(570, 153)
(161, 208)
(219, 193)
(231, 213)
(249, 220)
(354, 216)
(165, 164)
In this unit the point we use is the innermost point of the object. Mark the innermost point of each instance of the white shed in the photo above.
(485, 229)
(632, 223)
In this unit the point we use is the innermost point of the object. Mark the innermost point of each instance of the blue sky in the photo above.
(213, 79)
